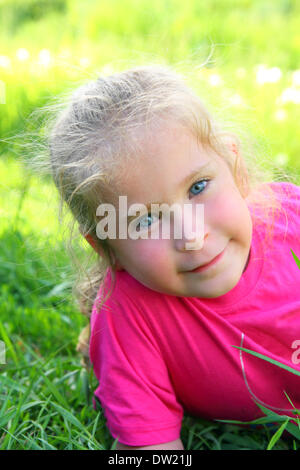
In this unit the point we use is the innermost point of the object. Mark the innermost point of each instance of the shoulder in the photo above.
(288, 195)
(125, 302)
(136, 310)
(281, 189)
(280, 199)
(127, 289)
(287, 215)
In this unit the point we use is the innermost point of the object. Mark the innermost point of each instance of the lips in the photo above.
(210, 263)
(206, 264)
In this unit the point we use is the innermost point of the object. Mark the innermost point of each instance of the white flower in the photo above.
(84, 61)
(107, 69)
(64, 54)
(296, 78)
(22, 54)
(290, 95)
(5, 62)
(280, 115)
(44, 57)
(265, 75)
(281, 159)
(215, 79)
(236, 100)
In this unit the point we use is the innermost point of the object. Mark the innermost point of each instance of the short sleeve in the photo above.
(135, 390)
(289, 196)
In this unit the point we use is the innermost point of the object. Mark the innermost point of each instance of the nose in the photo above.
(196, 243)
(193, 231)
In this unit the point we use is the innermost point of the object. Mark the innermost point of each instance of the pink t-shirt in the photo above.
(158, 356)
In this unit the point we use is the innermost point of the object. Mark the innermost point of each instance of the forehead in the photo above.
(161, 168)
(163, 159)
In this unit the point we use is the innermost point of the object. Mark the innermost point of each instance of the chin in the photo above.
(227, 287)
(219, 293)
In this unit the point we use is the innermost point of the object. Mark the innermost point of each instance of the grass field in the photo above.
(252, 77)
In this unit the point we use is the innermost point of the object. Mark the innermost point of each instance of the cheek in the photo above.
(145, 254)
(230, 210)
(153, 253)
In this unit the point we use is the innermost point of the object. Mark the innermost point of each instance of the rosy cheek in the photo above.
(224, 210)
(152, 252)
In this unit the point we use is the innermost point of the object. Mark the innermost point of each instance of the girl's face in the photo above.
(164, 265)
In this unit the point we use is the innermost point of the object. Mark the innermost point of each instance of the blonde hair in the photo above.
(99, 130)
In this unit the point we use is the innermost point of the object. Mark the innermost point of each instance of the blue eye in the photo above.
(198, 186)
(148, 216)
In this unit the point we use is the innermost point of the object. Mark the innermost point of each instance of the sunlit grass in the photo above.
(254, 63)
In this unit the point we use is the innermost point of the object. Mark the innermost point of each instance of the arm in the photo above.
(172, 445)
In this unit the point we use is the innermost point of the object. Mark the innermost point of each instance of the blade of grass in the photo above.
(296, 259)
(70, 441)
(268, 359)
(262, 420)
(11, 414)
(54, 390)
(8, 344)
(70, 418)
(7, 439)
(291, 427)
(297, 412)
(277, 434)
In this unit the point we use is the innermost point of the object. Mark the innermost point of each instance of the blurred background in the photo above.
(244, 59)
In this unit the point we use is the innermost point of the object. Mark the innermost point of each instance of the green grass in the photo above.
(45, 394)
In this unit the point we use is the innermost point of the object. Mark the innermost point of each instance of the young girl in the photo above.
(166, 313)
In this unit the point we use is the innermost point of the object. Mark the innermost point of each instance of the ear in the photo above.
(231, 144)
(233, 147)
(98, 249)
(93, 243)
(240, 168)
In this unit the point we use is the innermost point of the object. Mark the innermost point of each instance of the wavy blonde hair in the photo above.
(98, 129)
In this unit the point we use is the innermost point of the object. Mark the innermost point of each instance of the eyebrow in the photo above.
(197, 172)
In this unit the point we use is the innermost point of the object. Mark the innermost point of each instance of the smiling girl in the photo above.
(164, 318)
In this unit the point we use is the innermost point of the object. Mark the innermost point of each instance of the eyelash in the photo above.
(201, 181)
(206, 180)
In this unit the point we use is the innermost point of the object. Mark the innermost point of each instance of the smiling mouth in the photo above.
(208, 265)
